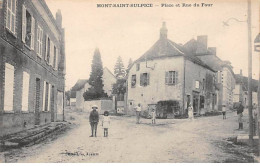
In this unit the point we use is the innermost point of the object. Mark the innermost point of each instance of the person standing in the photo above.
(224, 109)
(93, 120)
(153, 116)
(190, 112)
(240, 111)
(255, 119)
(106, 123)
(138, 112)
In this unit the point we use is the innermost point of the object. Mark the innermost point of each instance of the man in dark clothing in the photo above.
(240, 111)
(93, 120)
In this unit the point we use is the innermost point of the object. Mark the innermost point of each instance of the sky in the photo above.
(130, 32)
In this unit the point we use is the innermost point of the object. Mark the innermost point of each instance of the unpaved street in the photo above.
(173, 140)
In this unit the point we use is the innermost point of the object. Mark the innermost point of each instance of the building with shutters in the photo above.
(32, 65)
(169, 77)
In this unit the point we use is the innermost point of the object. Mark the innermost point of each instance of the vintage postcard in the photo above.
(122, 81)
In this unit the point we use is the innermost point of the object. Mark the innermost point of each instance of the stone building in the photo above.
(32, 65)
(241, 90)
(171, 76)
(82, 86)
(225, 77)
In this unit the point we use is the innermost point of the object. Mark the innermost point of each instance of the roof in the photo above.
(244, 81)
(167, 48)
(79, 84)
(164, 48)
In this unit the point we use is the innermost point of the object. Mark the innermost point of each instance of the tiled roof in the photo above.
(167, 48)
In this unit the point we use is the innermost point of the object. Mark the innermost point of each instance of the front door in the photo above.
(195, 102)
(37, 101)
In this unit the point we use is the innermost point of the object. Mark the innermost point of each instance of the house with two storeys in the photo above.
(168, 74)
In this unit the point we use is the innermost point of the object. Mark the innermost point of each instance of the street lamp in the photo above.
(257, 43)
(257, 49)
(250, 114)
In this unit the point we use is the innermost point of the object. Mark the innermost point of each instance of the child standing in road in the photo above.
(153, 116)
(106, 123)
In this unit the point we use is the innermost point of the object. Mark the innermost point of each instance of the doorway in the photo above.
(195, 96)
(53, 117)
(37, 101)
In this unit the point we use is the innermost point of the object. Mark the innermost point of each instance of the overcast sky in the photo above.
(130, 32)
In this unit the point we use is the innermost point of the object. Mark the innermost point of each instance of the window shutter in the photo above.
(141, 79)
(176, 77)
(32, 33)
(166, 77)
(15, 12)
(49, 97)
(38, 40)
(148, 79)
(41, 38)
(24, 24)
(57, 56)
(43, 98)
(51, 53)
(46, 45)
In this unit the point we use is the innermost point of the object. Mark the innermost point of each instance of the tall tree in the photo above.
(119, 69)
(130, 62)
(95, 81)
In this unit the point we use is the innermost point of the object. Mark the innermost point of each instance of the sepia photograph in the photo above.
(129, 81)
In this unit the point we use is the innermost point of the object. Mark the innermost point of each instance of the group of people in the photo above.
(138, 110)
(94, 119)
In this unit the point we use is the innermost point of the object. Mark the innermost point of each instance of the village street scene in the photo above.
(142, 86)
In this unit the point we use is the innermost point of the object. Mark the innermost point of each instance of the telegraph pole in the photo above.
(250, 73)
(257, 49)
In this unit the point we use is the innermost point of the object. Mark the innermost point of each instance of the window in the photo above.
(9, 88)
(197, 84)
(39, 41)
(11, 15)
(144, 79)
(171, 78)
(28, 28)
(137, 66)
(51, 53)
(47, 51)
(133, 81)
(46, 96)
(55, 58)
(25, 91)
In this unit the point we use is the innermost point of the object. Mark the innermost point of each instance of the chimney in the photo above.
(241, 72)
(59, 18)
(203, 40)
(163, 31)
